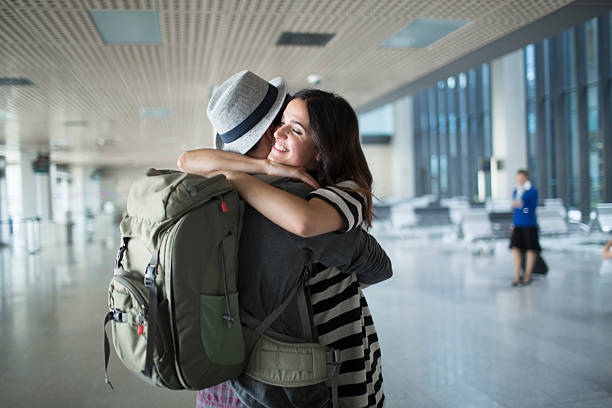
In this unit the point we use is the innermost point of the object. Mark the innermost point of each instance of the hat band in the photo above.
(253, 118)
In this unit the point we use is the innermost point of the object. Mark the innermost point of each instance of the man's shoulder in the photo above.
(296, 187)
(287, 184)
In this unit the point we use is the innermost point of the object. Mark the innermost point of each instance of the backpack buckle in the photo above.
(229, 319)
(149, 275)
(120, 253)
(119, 316)
(333, 360)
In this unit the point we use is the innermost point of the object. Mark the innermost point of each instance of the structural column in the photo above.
(23, 187)
(508, 122)
(4, 215)
(28, 185)
(43, 187)
(403, 149)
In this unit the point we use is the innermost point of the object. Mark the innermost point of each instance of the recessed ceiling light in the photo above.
(157, 113)
(101, 141)
(304, 39)
(60, 144)
(76, 123)
(314, 79)
(7, 115)
(127, 26)
(423, 32)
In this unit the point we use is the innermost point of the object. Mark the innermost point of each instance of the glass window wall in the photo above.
(582, 90)
(455, 124)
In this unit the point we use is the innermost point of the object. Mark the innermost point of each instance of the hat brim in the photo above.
(245, 142)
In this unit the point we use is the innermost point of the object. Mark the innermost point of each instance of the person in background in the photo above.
(607, 253)
(524, 239)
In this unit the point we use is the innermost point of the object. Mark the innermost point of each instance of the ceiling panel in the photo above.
(77, 77)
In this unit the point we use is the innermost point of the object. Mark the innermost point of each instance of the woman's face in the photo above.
(293, 144)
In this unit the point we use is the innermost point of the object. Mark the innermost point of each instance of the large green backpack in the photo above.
(173, 299)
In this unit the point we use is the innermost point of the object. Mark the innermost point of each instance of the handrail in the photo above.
(19, 220)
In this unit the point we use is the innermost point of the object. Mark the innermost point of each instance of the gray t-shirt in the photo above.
(271, 260)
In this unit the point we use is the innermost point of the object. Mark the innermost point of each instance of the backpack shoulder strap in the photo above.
(305, 318)
(271, 318)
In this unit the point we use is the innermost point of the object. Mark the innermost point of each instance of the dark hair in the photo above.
(335, 133)
(523, 172)
(279, 115)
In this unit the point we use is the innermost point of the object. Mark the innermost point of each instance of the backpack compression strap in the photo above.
(119, 270)
(149, 282)
(119, 317)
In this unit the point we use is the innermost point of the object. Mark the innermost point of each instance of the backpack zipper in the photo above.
(139, 298)
(169, 246)
(227, 316)
(193, 190)
(143, 313)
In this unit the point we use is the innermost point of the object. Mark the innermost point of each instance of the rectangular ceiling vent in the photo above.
(423, 32)
(156, 113)
(305, 39)
(140, 27)
(76, 123)
(15, 82)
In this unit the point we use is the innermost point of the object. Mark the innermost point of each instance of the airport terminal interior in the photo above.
(453, 98)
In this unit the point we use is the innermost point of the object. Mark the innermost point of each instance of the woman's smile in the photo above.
(279, 147)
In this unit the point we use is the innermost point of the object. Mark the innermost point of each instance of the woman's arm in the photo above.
(288, 211)
(205, 161)
(202, 161)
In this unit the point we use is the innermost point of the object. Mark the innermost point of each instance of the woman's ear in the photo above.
(318, 156)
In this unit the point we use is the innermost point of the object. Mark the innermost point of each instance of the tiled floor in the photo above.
(453, 331)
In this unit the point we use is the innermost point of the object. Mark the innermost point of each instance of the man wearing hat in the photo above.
(271, 260)
(243, 108)
(244, 111)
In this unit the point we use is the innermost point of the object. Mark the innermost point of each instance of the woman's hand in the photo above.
(229, 174)
(298, 173)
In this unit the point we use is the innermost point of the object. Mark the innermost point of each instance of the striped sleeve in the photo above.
(349, 204)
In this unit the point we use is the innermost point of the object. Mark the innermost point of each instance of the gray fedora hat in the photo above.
(242, 108)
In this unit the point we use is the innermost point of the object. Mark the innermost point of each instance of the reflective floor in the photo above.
(454, 333)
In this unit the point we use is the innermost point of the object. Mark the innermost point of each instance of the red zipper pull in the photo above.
(223, 206)
(140, 329)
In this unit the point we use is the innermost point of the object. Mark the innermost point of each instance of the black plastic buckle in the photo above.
(335, 355)
(149, 275)
(120, 253)
(119, 316)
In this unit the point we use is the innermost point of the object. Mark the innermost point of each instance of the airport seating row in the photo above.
(479, 221)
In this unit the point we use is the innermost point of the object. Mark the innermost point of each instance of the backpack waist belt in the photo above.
(285, 364)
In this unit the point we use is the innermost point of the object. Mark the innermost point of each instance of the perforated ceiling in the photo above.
(79, 78)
